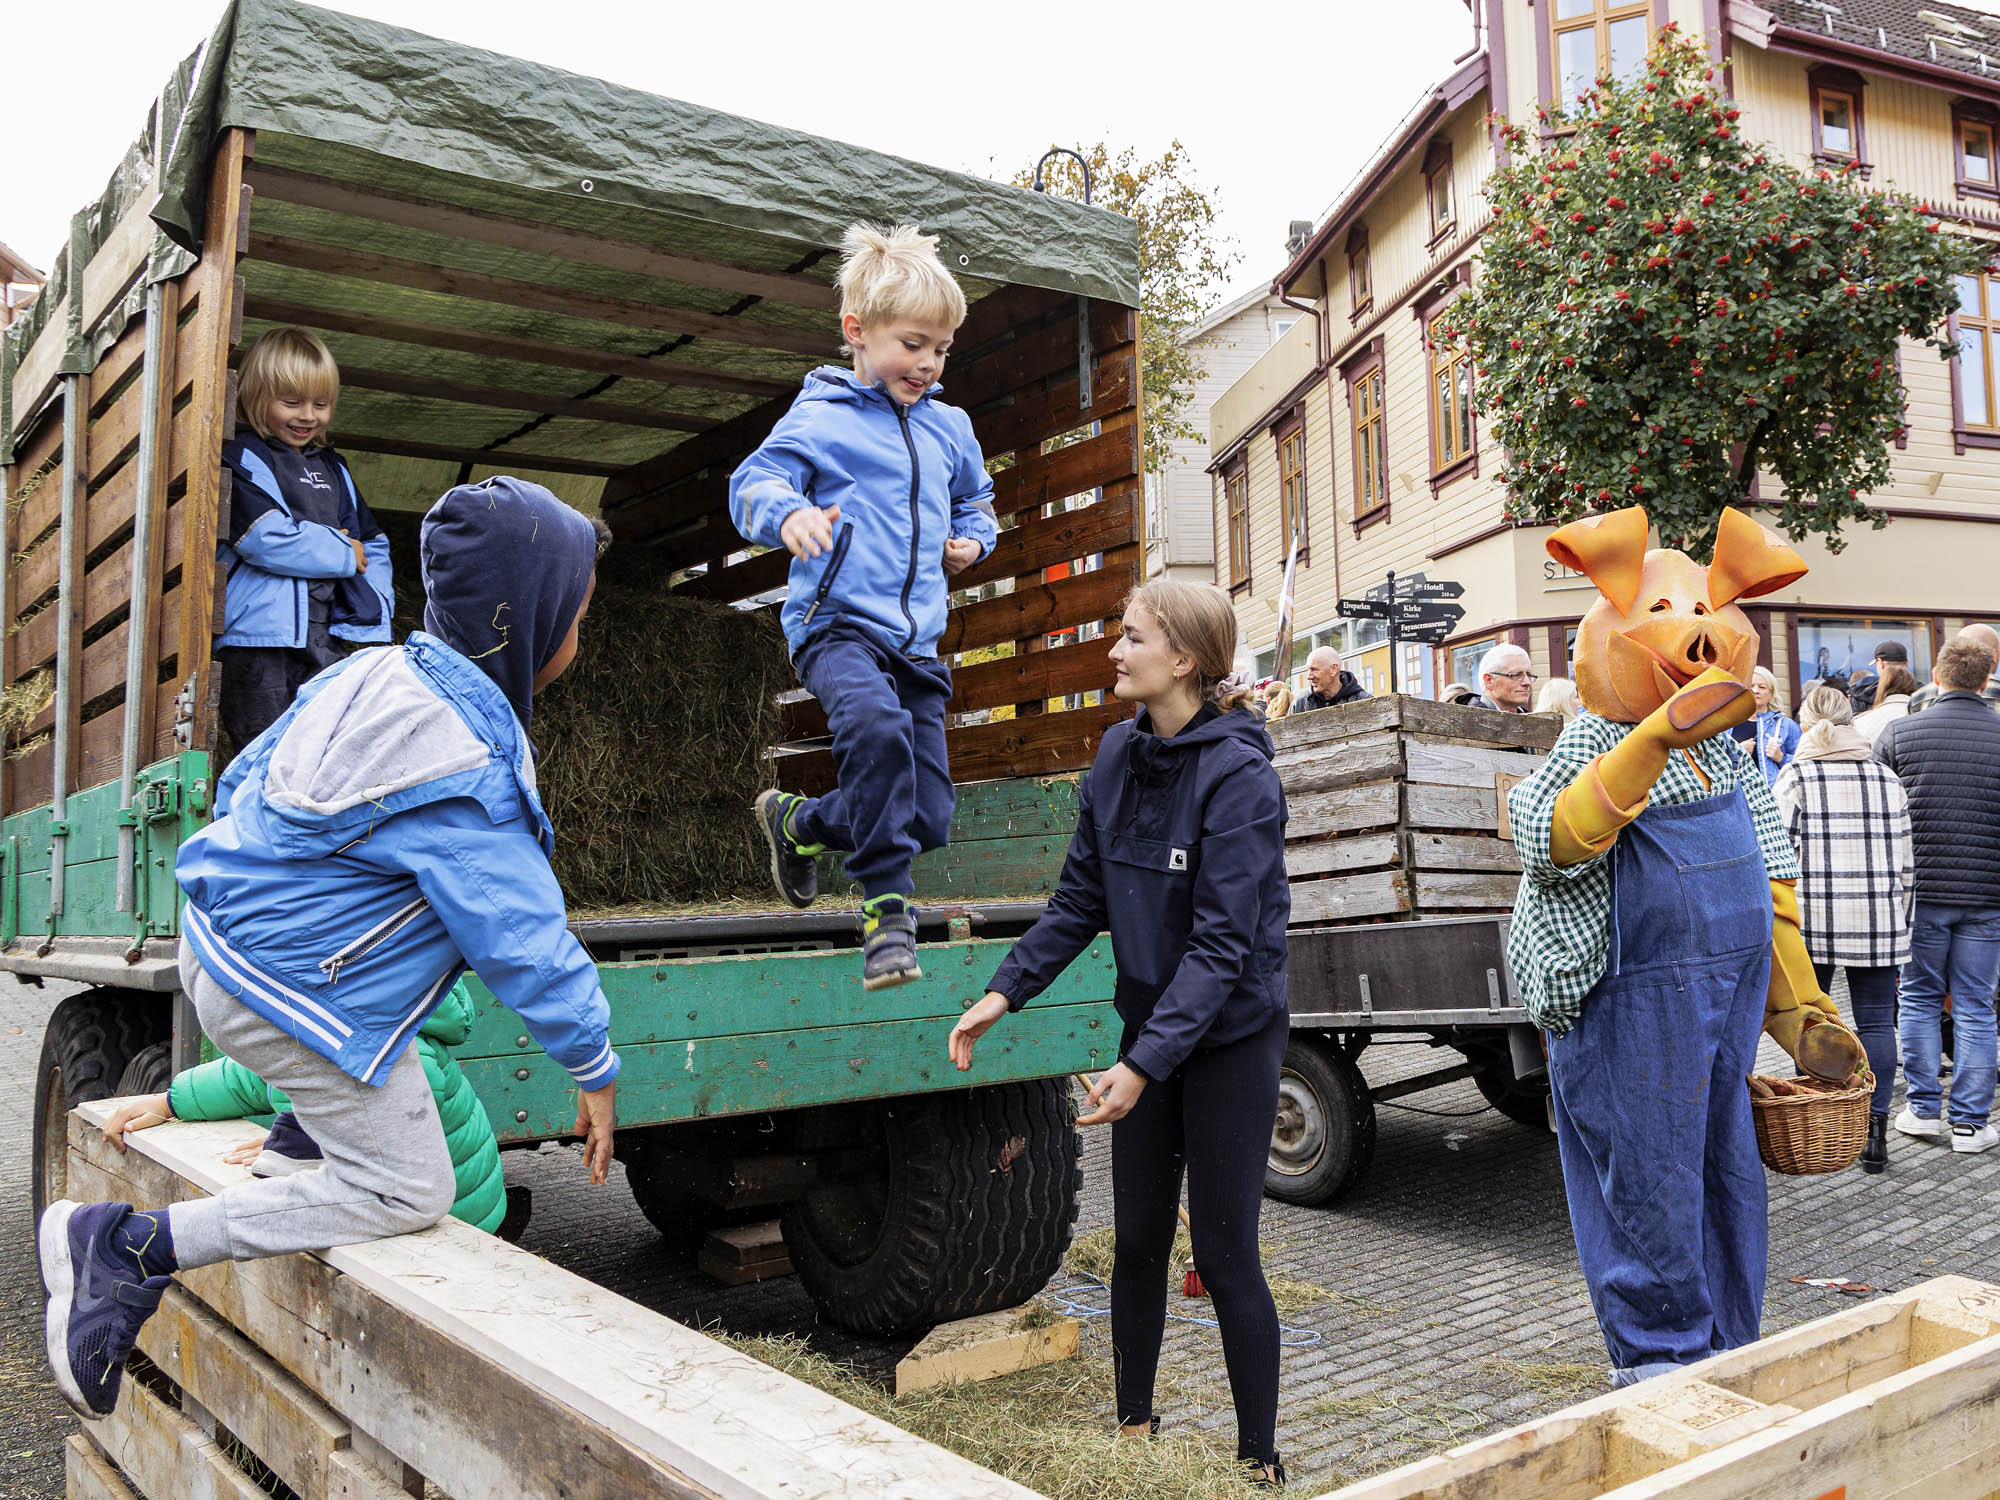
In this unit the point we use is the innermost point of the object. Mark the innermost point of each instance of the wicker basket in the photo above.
(1802, 1135)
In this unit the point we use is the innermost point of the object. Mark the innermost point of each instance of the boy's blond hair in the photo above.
(285, 362)
(896, 275)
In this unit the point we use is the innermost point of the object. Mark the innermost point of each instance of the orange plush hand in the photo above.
(1613, 789)
(1798, 1015)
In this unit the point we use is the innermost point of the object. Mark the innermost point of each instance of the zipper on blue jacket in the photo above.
(916, 522)
(372, 939)
(840, 546)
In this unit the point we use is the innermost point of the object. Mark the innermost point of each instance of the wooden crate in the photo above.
(1896, 1399)
(1396, 807)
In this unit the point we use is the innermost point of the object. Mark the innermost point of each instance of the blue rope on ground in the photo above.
(1064, 1302)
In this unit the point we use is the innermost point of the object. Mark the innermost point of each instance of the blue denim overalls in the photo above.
(1666, 1192)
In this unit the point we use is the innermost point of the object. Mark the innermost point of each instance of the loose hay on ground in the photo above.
(652, 745)
(1048, 1428)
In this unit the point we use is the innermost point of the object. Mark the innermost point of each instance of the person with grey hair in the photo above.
(1331, 682)
(1506, 680)
(1987, 639)
(1849, 818)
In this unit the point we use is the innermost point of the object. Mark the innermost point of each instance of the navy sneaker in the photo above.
(793, 870)
(99, 1297)
(888, 942)
(287, 1149)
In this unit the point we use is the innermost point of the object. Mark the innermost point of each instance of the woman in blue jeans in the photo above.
(1179, 851)
(1850, 820)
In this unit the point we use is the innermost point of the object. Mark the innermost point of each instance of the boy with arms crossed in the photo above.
(878, 490)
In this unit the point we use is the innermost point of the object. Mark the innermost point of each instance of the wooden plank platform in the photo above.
(482, 1368)
(1897, 1399)
(999, 1343)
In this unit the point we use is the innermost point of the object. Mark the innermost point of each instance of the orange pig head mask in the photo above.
(1664, 618)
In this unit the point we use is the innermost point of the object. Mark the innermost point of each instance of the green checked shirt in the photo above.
(1561, 933)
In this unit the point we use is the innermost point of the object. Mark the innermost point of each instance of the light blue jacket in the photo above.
(275, 555)
(378, 838)
(905, 479)
(1773, 728)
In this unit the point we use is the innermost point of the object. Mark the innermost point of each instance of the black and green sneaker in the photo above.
(793, 870)
(888, 942)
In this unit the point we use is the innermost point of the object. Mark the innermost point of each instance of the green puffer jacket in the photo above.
(226, 1090)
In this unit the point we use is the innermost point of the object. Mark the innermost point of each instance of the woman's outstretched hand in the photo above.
(973, 1025)
(1111, 1098)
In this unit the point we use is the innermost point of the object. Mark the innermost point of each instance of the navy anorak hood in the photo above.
(505, 568)
(1179, 853)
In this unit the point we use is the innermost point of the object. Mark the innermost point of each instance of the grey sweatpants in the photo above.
(387, 1170)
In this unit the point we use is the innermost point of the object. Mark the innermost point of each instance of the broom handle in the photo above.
(1090, 1083)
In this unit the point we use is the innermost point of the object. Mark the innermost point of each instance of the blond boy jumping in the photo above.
(878, 490)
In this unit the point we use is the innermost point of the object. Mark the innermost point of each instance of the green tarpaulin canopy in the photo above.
(468, 230)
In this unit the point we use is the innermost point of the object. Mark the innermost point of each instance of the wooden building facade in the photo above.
(1361, 428)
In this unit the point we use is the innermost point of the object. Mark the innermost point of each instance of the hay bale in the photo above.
(653, 744)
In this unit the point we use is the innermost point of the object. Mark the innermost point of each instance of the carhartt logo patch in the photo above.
(1177, 860)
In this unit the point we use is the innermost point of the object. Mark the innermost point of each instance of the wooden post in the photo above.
(216, 286)
(156, 552)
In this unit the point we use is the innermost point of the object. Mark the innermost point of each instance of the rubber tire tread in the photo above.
(1525, 1104)
(1343, 1095)
(682, 1219)
(964, 1234)
(92, 1037)
(149, 1072)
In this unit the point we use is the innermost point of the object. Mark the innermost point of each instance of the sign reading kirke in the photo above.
(1416, 609)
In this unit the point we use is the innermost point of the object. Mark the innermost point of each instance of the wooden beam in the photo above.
(636, 502)
(741, 580)
(390, 270)
(1038, 479)
(1026, 361)
(214, 418)
(165, 518)
(554, 1385)
(285, 186)
(998, 1343)
(557, 406)
(523, 351)
(1048, 540)
(492, 457)
(1081, 667)
(1037, 746)
(1037, 418)
(1039, 608)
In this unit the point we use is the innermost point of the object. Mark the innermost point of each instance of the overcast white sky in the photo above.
(1278, 104)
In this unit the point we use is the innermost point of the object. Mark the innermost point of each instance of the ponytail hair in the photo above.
(1198, 618)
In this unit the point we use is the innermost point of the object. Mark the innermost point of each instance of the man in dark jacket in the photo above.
(1331, 682)
(1949, 761)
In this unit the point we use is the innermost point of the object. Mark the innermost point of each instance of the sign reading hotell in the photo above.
(1415, 608)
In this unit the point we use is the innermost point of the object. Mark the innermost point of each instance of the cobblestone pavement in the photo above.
(1463, 1312)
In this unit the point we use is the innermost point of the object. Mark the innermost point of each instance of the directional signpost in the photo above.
(1417, 609)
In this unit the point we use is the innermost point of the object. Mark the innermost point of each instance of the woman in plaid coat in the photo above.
(1850, 821)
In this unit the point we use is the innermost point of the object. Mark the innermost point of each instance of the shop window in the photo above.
(1839, 647)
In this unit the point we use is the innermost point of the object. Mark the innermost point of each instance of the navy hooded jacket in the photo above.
(1179, 851)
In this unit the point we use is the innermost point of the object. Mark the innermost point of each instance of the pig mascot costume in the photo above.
(1655, 937)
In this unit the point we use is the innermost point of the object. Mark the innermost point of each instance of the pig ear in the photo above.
(1609, 550)
(1749, 560)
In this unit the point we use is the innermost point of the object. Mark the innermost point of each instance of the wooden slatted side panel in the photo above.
(1068, 495)
(189, 498)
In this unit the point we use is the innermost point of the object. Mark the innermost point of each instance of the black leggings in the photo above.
(1214, 1115)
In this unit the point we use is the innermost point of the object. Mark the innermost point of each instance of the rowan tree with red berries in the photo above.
(1665, 306)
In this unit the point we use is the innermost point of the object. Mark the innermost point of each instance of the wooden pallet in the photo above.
(1397, 808)
(1896, 1399)
(452, 1358)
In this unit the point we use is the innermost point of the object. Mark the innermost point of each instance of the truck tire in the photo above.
(963, 1204)
(1523, 1101)
(682, 1218)
(149, 1071)
(1324, 1137)
(90, 1040)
